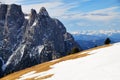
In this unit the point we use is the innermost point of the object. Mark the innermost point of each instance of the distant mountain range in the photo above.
(87, 41)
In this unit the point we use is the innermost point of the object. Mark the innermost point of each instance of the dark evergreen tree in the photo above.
(107, 41)
(95, 46)
(75, 50)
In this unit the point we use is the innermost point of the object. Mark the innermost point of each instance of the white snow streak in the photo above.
(32, 74)
(19, 50)
(22, 50)
(34, 24)
(27, 75)
(40, 48)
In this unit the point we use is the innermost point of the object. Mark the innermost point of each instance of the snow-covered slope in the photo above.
(104, 64)
(101, 64)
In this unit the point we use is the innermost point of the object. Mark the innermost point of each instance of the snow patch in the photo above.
(22, 50)
(103, 65)
(28, 74)
(32, 74)
(27, 17)
(34, 24)
(40, 48)
(18, 53)
(54, 60)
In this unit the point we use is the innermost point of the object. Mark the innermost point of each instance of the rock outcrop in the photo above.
(27, 41)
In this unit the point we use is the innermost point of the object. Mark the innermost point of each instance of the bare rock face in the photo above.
(33, 16)
(12, 21)
(3, 11)
(1, 64)
(43, 12)
(27, 42)
(69, 42)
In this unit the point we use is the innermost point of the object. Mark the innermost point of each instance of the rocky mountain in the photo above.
(27, 40)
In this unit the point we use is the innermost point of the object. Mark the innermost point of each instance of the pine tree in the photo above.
(75, 50)
(107, 41)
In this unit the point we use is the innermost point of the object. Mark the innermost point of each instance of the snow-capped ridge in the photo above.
(96, 32)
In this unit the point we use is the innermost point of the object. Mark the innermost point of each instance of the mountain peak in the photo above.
(43, 12)
(33, 16)
(14, 8)
(31, 40)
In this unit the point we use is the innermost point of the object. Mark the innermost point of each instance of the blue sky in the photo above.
(79, 15)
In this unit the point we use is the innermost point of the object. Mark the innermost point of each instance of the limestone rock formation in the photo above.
(25, 42)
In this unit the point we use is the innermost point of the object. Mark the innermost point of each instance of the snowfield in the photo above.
(101, 64)
(104, 64)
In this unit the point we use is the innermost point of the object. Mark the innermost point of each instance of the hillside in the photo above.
(101, 63)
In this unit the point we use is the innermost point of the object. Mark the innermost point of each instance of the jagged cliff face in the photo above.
(25, 42)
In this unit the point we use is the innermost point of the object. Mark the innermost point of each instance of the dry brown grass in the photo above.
(44, 77)
(41, 67)
(46, 66)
